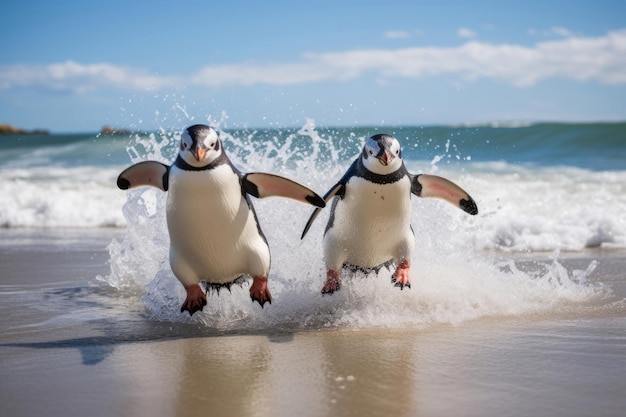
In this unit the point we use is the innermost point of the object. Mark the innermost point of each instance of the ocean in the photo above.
(519, 310)
(539, 186)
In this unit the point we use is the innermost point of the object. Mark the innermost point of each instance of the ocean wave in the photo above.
(452, 281)
(81, 197)
(521, 207)
(455, 275)
(529, 209)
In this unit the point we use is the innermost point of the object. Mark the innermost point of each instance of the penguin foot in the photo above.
(195, 301)
(259, 291)
(333, 282)
(401, 278)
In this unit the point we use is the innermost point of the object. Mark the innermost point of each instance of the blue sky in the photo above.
(77, 66)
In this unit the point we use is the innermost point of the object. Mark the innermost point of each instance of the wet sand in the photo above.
(72, 348)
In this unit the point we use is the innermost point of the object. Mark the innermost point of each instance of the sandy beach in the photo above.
(71, 346)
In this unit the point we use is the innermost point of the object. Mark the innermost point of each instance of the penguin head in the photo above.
(200, 145)
(382, 154)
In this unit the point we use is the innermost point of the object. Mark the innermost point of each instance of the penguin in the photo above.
(369, 222)
(215, 235)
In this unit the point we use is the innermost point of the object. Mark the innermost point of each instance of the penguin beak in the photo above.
(385, 158)
(199, 153)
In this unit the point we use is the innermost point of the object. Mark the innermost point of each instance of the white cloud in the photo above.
(397, 34)
(596, 59)
(74, 77)
(465, 33)
(554, 30)
(561, 31)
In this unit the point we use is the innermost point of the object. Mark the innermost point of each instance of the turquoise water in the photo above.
(597, 147)
(539, 186)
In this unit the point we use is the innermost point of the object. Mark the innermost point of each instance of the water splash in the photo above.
(452, 282)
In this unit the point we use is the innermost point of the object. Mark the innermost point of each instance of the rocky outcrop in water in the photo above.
(7, 129)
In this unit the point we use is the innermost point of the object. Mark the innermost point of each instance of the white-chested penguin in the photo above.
(215, 235)
(369, 223)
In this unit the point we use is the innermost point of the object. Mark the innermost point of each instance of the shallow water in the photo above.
(71, 344)
(519, 310)
(538, 187)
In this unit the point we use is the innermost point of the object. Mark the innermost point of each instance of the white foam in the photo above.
(452, 279)
(546, 209)
(450, 284)
(53, 197)
(521, 207)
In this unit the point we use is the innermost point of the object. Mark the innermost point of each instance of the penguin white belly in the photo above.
(213, 232)
(371, 224)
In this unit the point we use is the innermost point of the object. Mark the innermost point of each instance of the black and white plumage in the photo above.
(369, 223)
(215, 236)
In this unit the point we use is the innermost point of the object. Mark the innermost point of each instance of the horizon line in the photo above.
(467, 125)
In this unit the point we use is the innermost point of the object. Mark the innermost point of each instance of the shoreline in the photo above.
(70, 345)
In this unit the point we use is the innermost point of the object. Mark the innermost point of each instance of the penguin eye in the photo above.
(371, 152)
(186, 141)
(212, 144)
(397, 151)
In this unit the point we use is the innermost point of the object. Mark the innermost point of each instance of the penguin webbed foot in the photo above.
(332, 283)
(399, 284)
(259, 291)
(195, 301)
(401, 278)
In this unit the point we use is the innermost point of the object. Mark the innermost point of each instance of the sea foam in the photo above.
(70, 182)
(60, 197)
(454, 279)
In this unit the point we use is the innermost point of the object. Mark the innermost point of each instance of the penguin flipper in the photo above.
(261, 185)
(432, 186)
(338, 188)
(150, 173)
